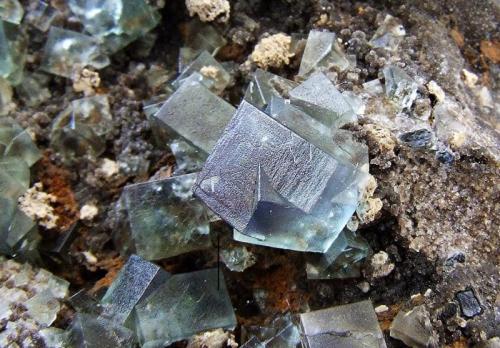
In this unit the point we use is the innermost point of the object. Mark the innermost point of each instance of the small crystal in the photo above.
(67, 51)
(200, 37)
(318, 97)
(42, 15)
(165, 219)
(400, 87)
(12, 53)
(322, 52)
(43, 307)
(88, 331)
(353, 325)
(341, 261)
(414, 328)
(136, 280)
(33, 89)
(186, 304)
(469, 304)
(16, 142)
(282, 332)
(213, 74)
(389, 34)
(418, 139)
(237, 258)
(264, 86)
(275, 188)
(11, 11)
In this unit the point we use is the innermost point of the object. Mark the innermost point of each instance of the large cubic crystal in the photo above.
(318, 97)
(136, 280)
(264, 86)
(400, 87)
(322, 52)
(11, 11)
(352, 325)
(165, 219)
(67, 51)
(185, 305)
(275, 188)
(12, 52)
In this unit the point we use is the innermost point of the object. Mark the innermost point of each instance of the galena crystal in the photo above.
(11, 11)
(184, 305)
(353, 325)
(400, 87)
(322, 52)
(389, 34)
(67, 51)
(264, 86)
(165, 219)
(12, 53)
(135, 281)
(275, 188)
(80, 128)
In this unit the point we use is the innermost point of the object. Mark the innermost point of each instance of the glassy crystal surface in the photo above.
(264, 86)
(80, 128)
(275, 188)
(54, 337)
(318, 97)
(89, 331)
(82, 302)
(400, 87)
(17, 169)
(186, 304)
(11, 11)
(12, 52)
(213, 74)
(199, 36)
(414, 328)
(66, 51)
(352, 325)
(389, 34)
(237, 258)
(17, 142)
(33, 89)
(342, 260)
(165, 219)
(43, 307)
(41, 15)
(281, 332)
(135, 281)
(322, 52)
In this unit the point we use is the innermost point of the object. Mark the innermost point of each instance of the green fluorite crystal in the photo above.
(33, 89)
(11, 11)
(16, 142)
(400, 87)
(12, 53)
(264, 86)
(281, 332)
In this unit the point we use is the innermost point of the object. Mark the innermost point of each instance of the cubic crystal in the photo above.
(400, 87)
(11, 11)
(414, 328)
(264, 86)
(282, 332)
(12, 52)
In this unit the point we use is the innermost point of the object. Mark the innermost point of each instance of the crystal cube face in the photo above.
(352, 325)
(165, 218)
(67, 51)
(186, 304)
(17, 142)
(322, 52)
(275, 188)
(11, 11)
(136, 280)
(400, 87)
(281, 332)
(264, 86)
(12, 52)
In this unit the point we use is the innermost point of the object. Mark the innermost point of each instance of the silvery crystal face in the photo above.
(276, 188)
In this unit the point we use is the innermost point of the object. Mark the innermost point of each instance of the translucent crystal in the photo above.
(54, 337)
(237, 258)
(67, 51)
(281, 332)
(165, 219)
(89, 331)
(43, 307)
(185, 305)
(33, 89)
(389, 34)
(16, 142)
(275, 188)
(116, 22)
(400, 87)
(11, 11)
(318, 97)
(82, 302)
(342, 260)
(264, 86)
(414, 328)
(214, 76)
(322, 52)
(80, 128)
(136, 280)
(41, 15)
(18, 169)
(5, 97)
(12, 53)
(352, 325)
(199, 36)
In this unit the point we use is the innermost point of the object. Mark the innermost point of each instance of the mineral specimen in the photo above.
(136, 281)
(400, 87)
(237, 258)
(67, 51)
(275, 188)
(281, 332)
(351, 325)
(186, 304)
(389, 34)
(469, 304)
(12, 53)
(322, 52)
(414, 328)
(418, 139)
(11, 11)
(165, 219)
(264, 85)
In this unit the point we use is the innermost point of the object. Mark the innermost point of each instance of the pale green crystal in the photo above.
(43, 307)
(67, 51)
(11, 11)
(12, 53)
(322, 52)
(400, 87)
(42, 16)
(33, 89)
(186, 304)
(282, 332)
(16, 142)
(265, 85)
(17, 169)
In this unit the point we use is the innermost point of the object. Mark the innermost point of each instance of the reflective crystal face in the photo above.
(318, 97)
(136, 280)
(275, 188)
(281, 332)
(67, 51)
(322, 52)
(264, 86)
(400, 87)
(42, 16)
(11, 11)
(414, 328)
(352, 325)
(186, 304)
(12, 52)
(33, 89)
(165, 219)
(16, 142)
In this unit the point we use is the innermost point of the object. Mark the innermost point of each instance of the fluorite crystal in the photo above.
(135, 281)
(33, 89)
(264, 86)
(165, 219)
(186, 304)
(322, 52)
(80, 128)
(389, 34)
(400, 87)
(42, 15)
(43, 307)
(275, 188)
(342, 260)
(237, 258)
(353, 325)
(414, 328)
(281, 332)
(11, 11)
(67, 51)
(17, 142)
(12, 53)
